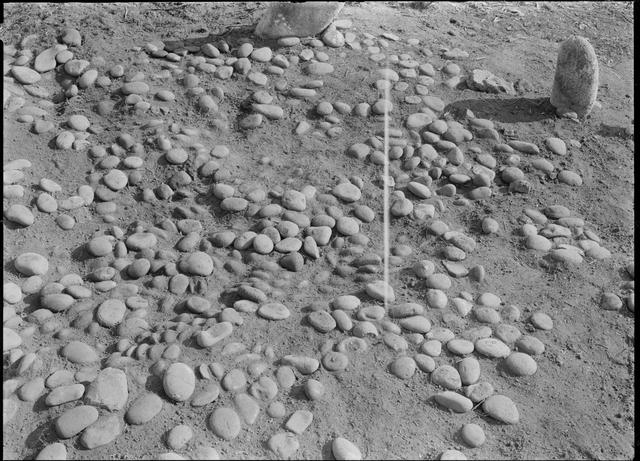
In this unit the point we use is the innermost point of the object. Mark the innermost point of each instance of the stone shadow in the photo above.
(234, 36)
(512, 110)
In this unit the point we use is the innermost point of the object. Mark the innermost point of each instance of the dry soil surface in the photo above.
(579, 404)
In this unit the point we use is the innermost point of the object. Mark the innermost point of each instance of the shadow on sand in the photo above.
(511, 110)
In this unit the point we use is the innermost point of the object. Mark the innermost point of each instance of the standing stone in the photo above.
(575, 85)
(288, 19)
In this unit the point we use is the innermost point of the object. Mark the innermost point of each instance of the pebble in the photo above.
(57, 302)
(314, 389)
(31, 390)
(283, 444)
(299, 421)
(179, 436)
(541, 321)
(144, 408)
(492, 347)
(322, 321)
(104, 431)
(179, 381)
(208, 394)
(109, 390)
(460, 346)
(447, 377)
(454, 401)
(452, 455)
(79, 352)
(53, 451)
(473, 435)
(64, 393)
(343, 449)
(197, 263)
(225, 423)
(305, 365)
(610, 302)
(403, 367)
(274, 311)
(416, 323)
(347, 192)
(501, 408)
(75, 420)
(520, 364)
(11, 293)
(111, 312)
(380, 290)
(570, 178)
(25, 75)
(20, 214)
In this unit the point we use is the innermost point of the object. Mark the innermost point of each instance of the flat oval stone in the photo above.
(469, 369)
(179, 381)
(473, 435)
(104, 431)
(447, 377)
(305, 365)
(346, 302)
(347, 192)
(111, 312)
(31, 390)
(343, 449)
(53, 451)
(31, 264)
(460, 346)
(322, 321)
(20, 214)
(541, 321)
(416, 323)
(25, 75)
(57, 302)
(380, 290)
(197, 263)
(79, 352)
(141, 240)
(520, 364)
(64, 393)
(492, 347)
(225, 423)
(425, 363)
(140, 88)
(501, 408)
(75, 420)
(530, 345)
(274, 311)
(403, 367)
(454, 401)
(108, 390)
(144, 408)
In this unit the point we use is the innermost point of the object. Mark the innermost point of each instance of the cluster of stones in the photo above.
(553, 231)
(172, 265)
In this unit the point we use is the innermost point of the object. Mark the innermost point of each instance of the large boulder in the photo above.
(575, 85)
(306, 19)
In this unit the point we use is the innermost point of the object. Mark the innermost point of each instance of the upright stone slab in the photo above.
(288, 19)
(575, 85)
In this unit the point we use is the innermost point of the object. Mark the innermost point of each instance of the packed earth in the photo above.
(194, 241)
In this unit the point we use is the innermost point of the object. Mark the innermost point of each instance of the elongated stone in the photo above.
(575, 84)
